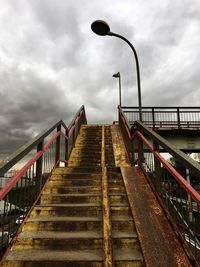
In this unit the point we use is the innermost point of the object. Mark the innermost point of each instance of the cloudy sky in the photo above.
(51, 62)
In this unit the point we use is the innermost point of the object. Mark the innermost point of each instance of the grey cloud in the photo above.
(51, 62)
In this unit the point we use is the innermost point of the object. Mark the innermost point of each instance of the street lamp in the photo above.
(117, 75)
(100, 27)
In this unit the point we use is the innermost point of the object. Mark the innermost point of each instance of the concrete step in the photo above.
(61, 223)
(82, 169)
(75, 182)
(67, 210)
(74, 190)
(57, 258)
(72, 198)
(78, 209)
(76, 176)
(59, 241)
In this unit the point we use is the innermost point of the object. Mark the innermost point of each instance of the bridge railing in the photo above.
(165, 117)
(35, 161)
(175, 185)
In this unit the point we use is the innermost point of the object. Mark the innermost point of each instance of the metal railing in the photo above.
(175, 186)
(165, 117)
(38, 157)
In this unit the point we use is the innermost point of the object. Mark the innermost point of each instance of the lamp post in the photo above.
(100, 27)
(117, 75)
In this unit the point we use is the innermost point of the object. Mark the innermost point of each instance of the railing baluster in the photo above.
(153, 118)
(158, 170)
(66, 146)
(39, 163)
(57, 152)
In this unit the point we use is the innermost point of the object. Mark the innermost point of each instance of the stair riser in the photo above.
(120, 211)
(45, 199)
(58, 244)
(75, 170)
(69, 211)
(117, 190)
(118, 199)
(123, 225)
(129, 264)
(75, 164)
(116, 182)
(57, 263)
(77, 182)
(75, 190)
(73, 176)
(125, 243)
(62, 226)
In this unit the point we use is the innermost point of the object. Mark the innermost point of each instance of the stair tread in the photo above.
(61, 234)
(127, 254)
(69, 205)
(75, 235)
(64, 219)
(56, 255)
(70, 195)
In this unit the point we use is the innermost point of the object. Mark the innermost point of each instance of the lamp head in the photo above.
(100, 27)
(116, 75)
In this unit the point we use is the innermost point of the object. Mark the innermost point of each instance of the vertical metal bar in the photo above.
(39, 162)
(66, 147)
(153, 118)
(178, 118)
(57, 155)
(140, 151)
(158, 169)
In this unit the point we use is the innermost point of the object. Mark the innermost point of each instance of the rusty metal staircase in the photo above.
(82, 217)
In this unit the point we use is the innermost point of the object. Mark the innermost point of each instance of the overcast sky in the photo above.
(51, 62)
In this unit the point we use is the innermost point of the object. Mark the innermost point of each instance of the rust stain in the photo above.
(120, 153)
(107, 235)
(159, 243)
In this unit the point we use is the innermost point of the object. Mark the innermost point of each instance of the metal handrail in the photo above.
(173, 188)
(23, 189)
(165, 117)
(11, 160)
(161, 107)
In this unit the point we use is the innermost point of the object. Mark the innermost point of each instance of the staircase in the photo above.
(67, 225)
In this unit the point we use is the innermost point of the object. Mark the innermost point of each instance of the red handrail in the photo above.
(4, 191)
(194, 194)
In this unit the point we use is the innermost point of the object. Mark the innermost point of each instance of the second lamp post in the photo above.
(117, 75)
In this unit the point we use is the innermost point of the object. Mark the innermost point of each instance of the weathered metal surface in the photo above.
(120, 152)
(159, 243)
(107, 234)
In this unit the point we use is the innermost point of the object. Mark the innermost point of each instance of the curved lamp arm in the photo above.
(137, 69)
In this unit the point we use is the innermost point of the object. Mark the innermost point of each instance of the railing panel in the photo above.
(165, 117)
(38, 158)
(177, 182)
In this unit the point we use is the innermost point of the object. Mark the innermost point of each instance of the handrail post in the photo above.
(153, 117)
(140, 151)
(39, 164)
(66, 147)
(158, 169)
(57, 153)
(178, 118)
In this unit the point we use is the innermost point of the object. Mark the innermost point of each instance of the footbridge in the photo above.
(100, 195)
